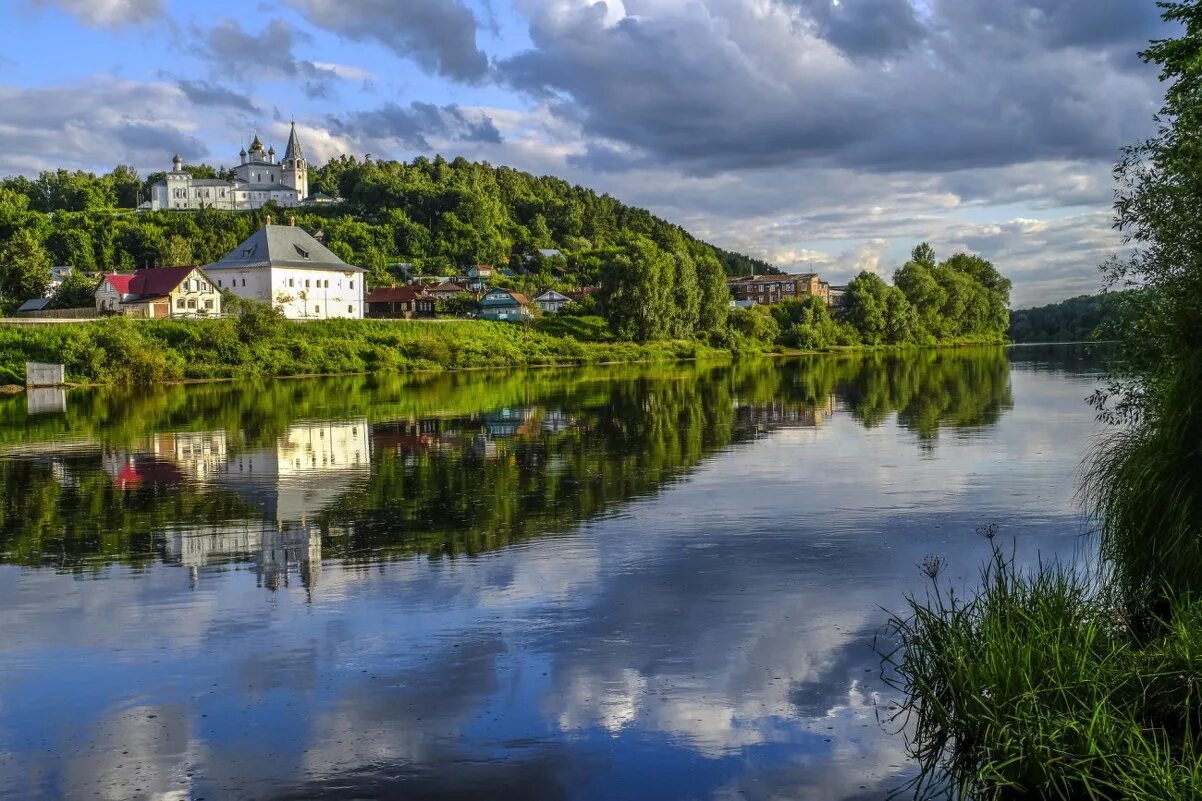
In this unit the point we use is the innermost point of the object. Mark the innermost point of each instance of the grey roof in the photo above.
(34, 304)
(210, 182)
(294, 148)
(282, 246)
(549, 252)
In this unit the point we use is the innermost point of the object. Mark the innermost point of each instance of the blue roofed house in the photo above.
(504, 304)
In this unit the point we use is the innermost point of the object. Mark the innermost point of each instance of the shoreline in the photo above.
(715, 354)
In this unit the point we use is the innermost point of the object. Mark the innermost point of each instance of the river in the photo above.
(613, 583)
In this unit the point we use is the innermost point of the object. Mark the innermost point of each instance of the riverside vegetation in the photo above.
(657, 285)
(1074, 682)
(962, 301)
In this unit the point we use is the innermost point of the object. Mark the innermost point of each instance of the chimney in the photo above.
(292, 222)
(267, 221)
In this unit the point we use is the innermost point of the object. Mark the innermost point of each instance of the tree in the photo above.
(880, 312)
(176, 252)
(24, 267)
(78, 290)
(923, 255)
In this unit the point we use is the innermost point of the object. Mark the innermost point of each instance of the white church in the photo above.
(257, 180)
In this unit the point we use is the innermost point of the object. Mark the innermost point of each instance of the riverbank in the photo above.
(122, 351)
(117, 350)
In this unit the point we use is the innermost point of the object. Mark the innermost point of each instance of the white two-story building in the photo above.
(284, 266)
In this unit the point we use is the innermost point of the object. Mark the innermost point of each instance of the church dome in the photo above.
(177, 159)
(242, 152)
(256, 145)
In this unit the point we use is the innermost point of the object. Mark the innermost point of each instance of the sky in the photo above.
(822, 135)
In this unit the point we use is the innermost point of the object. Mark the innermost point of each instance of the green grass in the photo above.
(1035, 686)
(121, 351)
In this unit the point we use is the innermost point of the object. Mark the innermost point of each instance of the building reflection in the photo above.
(763, 418)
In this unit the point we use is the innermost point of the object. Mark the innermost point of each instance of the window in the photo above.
(243, 282)
(350, 309)
(304, 254)
(291, 283)
(191, 303)
(306, 283)
(316, 309)
(327, 283)
(209, 304)
(352, 284)
(179, 303)
(218, 282)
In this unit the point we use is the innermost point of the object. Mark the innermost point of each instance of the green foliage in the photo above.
(1033, 687)
(257, 342)
(1058, 684)
(78, 290)
(24, 267)
(457, 306)
(756, 324)
(1074, 320)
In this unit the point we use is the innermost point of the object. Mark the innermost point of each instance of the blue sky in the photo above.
(831, 134)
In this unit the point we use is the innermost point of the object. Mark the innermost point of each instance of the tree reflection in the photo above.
(383, 467)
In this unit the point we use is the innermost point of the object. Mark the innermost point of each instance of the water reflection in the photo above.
(627, 582)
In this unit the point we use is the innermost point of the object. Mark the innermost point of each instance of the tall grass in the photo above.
(1146, 489)
(1032, 687)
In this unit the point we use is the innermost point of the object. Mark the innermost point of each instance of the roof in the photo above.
(491, 299)
(294, 147)
(154, 282)
(210, 182)
(551, 294)
(159, 281)
(34, 304)
(282, 246)
(549, 252)
(396, 294)
(770, 278)
(447, 286)
(121, 282)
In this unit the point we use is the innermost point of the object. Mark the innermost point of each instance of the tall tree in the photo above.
(24, 267)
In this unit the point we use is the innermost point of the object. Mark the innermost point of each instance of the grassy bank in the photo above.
(122, 351)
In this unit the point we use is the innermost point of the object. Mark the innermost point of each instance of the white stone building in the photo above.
(284, 266)
(259, 178)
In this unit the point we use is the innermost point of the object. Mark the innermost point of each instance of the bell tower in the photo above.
(296, 169)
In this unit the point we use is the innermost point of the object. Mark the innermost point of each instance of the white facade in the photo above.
(258, 179)
(299, 293)
(286, 267)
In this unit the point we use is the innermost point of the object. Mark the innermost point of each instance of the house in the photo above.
(399, 302)
(552, 302)
(284, 266)
(549, 253)
(504, 304)
(446, 290)
(838, 296)
(58, 274)
(159, 292)
(480, 271)
(769, 289)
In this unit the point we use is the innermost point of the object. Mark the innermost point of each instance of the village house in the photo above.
(284, 266)
(399, 302)
(504, 304)
(552, 302)
(769, 289)
(159, 292)
(447, 290)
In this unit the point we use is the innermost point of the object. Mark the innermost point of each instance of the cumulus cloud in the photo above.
(237, 53)
(204, 93)
(98, 122)
(418, 126)
(108, 13)
(440, 35)
(711, 85)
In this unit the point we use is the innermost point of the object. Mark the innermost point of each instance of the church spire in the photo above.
(293, 153)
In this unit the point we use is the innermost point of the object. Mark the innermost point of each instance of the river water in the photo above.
(615, 583)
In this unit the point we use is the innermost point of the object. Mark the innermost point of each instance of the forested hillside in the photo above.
(439, 215)
(1072, 320)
